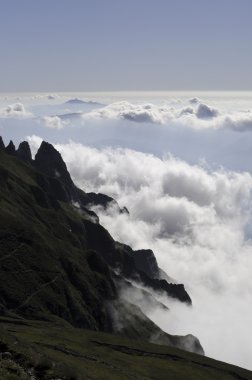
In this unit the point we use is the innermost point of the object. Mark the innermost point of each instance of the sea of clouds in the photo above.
(182, 166)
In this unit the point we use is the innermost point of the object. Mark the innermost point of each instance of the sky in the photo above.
(117, 45)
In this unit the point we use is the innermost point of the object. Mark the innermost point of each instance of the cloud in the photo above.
(16, 110)
(148, 113)
(206, 112)
(54, 122)
(186, 111)
(143, 113)
(114, 170)
(194, 100)
(173, 197)
(240, 122)
(200, 117)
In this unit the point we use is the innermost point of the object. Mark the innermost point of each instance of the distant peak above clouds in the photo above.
(80, 101)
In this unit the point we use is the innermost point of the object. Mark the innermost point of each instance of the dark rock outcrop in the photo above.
(176, 291)
(10, 149)
(2, 146)
(58, 182)
(101, 200)
(146, 262)
(24, 151)
(82, 102)
(49, 161)
(121, 257)
(124, 210)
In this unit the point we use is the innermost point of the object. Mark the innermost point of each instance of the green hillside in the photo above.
(54, 351)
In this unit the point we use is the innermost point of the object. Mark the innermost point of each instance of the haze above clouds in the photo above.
(125, 45)
(214, 127)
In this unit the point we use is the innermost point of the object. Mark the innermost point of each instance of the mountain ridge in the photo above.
(54, 244)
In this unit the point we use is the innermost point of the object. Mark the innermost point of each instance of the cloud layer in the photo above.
(198, 116)
(198, 224)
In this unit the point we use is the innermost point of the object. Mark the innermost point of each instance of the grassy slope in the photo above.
(72, 353)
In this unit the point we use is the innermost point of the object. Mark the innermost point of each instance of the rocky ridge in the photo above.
(89, 264)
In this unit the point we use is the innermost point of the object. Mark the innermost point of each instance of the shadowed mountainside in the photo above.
(57, 261)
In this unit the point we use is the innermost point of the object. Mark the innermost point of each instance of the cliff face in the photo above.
(1, 144)
(24, 151)
(57, 261)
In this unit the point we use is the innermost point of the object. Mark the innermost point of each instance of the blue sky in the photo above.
(97, 45)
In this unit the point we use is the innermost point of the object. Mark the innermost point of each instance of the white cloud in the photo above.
(54, 122)
(241, 121)
(186, 111)
(194, 100)
(118, 171)
(206, 112)
(16, 110)
(145, 113)
(201, 116)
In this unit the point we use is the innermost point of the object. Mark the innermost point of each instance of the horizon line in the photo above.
(122, 91)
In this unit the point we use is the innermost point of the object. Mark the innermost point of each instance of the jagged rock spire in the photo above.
(2, 147)
(24, 151)
(10, 149)
(49, 161)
